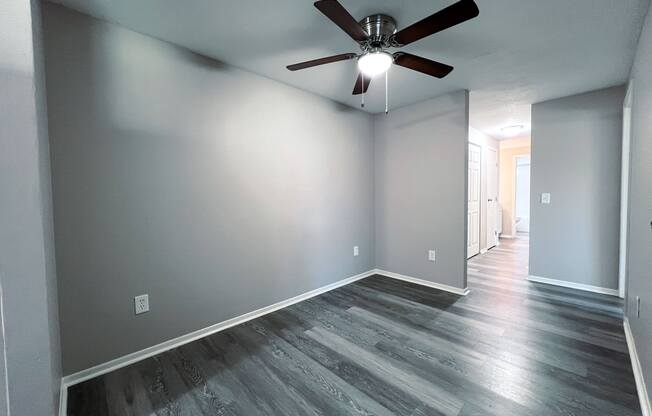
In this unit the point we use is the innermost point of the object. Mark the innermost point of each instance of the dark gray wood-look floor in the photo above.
(385, 347)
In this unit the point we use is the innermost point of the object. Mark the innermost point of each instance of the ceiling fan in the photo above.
(377, 33)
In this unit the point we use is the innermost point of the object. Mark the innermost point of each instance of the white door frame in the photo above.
(624, 188)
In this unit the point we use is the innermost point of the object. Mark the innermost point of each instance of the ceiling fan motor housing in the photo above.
(380, 28)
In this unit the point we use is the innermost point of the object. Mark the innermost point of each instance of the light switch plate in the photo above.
(141, 304)
(356, 251)
(545, 198)
(432, 255)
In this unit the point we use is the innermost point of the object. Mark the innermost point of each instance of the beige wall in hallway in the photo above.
(509, 149)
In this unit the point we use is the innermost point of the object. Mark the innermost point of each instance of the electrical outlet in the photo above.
(141, 304)
(356, 251)
(431, 255)
(545, 198)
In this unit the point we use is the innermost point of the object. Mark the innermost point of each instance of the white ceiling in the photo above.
(517, 52)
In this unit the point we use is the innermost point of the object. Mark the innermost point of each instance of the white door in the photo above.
(492, 198)
(473, 192)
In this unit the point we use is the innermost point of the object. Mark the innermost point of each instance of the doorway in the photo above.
(522, 194)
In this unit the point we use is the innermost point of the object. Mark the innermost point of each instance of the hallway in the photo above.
(502, 273)
(573, 341)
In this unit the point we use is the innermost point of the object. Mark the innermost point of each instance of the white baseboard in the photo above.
(507, 236)
(446, 288)
(483, 250)
(134, 357)
(128, 359)
(643, 397)
(572, 285)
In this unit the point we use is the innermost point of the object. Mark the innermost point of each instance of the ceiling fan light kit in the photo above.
(375, 63)
(377, 33)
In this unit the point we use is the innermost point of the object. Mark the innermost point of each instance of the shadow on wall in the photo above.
(207, 187)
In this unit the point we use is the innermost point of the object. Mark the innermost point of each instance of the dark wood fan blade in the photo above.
(321, 61)
(452, 15)
(338, 14)
(358, 88)
(426, 66)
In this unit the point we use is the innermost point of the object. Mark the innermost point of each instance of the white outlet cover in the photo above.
(141, 304)
(356, 251)
(545, 198)
(432, 255)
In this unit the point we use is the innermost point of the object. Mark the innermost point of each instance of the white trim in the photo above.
(128, 359)
(3, 337)
(63, 399)
(483, 250)
(624, 188)
(446, 288)
(507, 236)
(643, 397)
(572, 285)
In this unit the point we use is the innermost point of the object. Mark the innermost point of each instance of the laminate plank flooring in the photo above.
(385, 347)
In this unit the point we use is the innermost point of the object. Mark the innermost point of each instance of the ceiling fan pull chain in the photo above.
(362, 95)
(386, 92)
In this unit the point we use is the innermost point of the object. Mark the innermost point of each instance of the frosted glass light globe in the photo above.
(375, 63)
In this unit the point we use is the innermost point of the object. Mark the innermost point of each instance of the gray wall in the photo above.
(421, 189)
(639, 276)
(576, 152)
(27, 269)
(214, 190)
